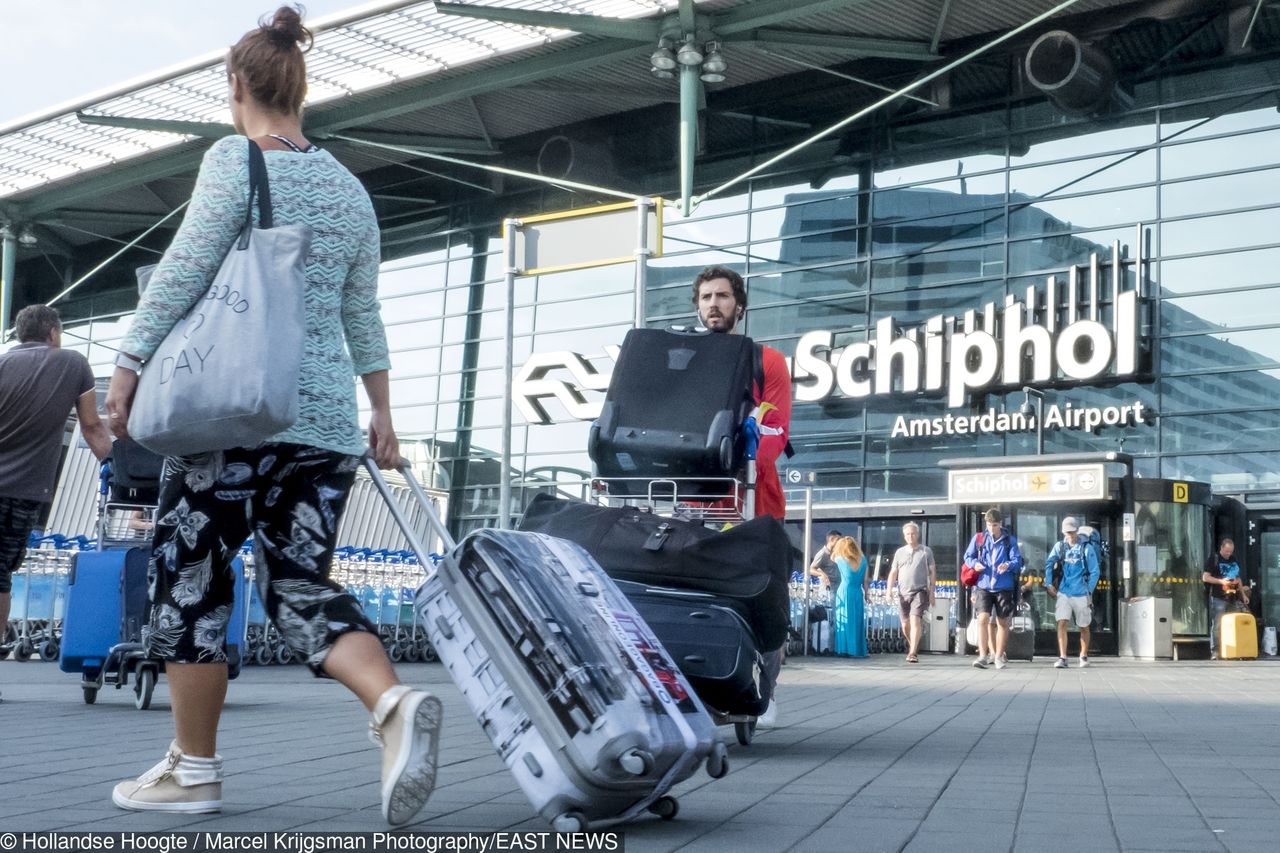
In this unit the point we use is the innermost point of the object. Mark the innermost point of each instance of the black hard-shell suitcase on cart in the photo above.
(578, 697)
(674, 409)
(1022, 634)
(709, 640)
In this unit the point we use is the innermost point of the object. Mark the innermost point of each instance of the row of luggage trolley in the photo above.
(882, 615)
(38, 598)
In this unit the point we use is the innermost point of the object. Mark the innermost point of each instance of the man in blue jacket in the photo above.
(995, 555)
(1070, 575)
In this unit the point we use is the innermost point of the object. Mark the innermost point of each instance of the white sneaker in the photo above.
(1084, 661)
(1060, 663)
(1001, 662)
(179, 783)
(769, 719)
(406, 723)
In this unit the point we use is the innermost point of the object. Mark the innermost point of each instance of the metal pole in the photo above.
(688, 133)
(804, 569)
(643, 206)
(509, 228)
(8, 269)
(1039, 426)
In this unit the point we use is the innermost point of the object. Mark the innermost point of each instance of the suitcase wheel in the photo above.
(744, 731)
(570, 822)
(665, 807)
(143, 687)
(90, 694)
(718, 762)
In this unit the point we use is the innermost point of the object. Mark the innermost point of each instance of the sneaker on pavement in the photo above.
(1001, 662)
(1060, 663)
(980, 663)
(769, 719)
(1084, 661)
(179, 783)
(406, 723)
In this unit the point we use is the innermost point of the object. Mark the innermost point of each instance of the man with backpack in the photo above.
(994, 558)
(1070, 575)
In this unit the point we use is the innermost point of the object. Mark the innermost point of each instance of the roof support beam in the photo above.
(203, 129)
(432, 91)
(753, 16)
(641, 29)
(857, 45)
(183, 158)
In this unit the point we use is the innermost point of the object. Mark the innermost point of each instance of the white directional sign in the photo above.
(1031, 484)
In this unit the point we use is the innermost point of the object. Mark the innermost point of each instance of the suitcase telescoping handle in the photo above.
(397, 512)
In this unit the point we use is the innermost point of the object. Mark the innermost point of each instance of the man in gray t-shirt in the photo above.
(40, 383)
(912, 578)
(822, 566)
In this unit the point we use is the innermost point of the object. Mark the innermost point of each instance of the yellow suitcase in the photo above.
(1239, 636)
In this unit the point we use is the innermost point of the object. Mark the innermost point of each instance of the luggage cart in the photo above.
(38, 597)
(715, 502)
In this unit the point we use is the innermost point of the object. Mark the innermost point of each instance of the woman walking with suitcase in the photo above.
(849, 617)
(290, 491)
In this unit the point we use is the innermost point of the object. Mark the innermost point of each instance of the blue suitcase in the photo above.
(106, 609)
(94, 620)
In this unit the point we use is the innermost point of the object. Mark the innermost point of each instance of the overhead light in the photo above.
(713, 63)
(689, 54)
(711, 76)
(27, 237)
(663, 59)
(662, 73)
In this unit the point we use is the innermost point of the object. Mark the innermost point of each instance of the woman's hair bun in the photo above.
(286, 28)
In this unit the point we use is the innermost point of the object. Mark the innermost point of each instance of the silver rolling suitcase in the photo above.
(579, 698)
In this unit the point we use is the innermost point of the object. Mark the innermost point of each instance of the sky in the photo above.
(62, 50)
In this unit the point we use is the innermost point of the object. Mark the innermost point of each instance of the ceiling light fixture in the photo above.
(27, 236)
(689, 54)
(663, 59)
(714, 62)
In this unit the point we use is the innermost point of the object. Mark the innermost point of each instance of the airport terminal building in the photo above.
(1046, 279)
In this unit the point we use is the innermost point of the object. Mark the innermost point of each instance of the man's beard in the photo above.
(731, 321)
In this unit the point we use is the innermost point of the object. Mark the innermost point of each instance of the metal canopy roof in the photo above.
(388, 43)
(407, 74)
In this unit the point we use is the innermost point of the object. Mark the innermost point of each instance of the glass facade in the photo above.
(936, 213)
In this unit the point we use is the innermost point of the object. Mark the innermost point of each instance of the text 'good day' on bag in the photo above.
(227, 374)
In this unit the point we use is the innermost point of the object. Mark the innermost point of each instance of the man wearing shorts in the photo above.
(912, 577)
(40, 384)
(995, 555)
(1070, 575)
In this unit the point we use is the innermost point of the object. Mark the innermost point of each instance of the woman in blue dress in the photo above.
(849, 622)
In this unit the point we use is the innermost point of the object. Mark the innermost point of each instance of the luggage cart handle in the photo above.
(397, 512)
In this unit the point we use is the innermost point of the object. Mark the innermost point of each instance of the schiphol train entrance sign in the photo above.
(1027, 485)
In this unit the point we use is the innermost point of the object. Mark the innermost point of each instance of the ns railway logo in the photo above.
(1081, 329)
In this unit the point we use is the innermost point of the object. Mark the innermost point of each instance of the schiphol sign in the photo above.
(1054, 335)
(1009, 348)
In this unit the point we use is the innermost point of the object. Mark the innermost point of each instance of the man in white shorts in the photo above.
(1070, 575)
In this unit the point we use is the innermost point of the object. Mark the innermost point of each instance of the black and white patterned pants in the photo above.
(290, 499)
(18, 518)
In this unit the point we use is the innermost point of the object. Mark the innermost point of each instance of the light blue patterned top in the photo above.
(342, 277)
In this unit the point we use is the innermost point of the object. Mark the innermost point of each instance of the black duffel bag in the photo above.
(749, 564)
(135, 473)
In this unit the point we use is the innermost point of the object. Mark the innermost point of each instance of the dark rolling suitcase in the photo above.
(1022, 634)
(581, 701)
(674, 409)
(709, 640)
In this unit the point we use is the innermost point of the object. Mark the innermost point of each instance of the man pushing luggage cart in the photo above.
(692, 426)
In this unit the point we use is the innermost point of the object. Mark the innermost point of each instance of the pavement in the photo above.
(870, 755)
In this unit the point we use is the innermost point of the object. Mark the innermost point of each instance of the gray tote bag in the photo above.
(227, 374)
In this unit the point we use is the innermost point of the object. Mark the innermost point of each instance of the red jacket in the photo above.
(773, 416)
